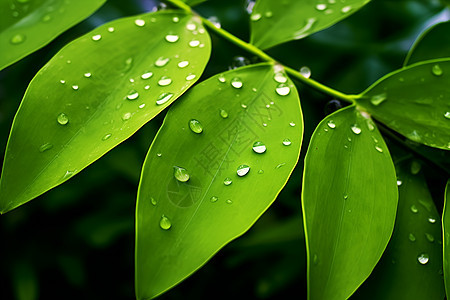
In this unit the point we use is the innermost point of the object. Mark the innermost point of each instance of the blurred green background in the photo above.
(77, 241)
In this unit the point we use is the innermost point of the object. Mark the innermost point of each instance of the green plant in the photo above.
(228, 146)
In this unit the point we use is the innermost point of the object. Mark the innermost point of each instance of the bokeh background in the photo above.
(77, 240)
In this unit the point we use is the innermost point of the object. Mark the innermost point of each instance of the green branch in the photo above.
(262, 55)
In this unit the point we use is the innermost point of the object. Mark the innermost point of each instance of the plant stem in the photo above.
(262, 55)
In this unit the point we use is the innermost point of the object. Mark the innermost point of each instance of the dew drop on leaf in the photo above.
(106, 136)
(259, 147)
(255, 17)
(17, 39)
(87, 75)
(162, 61)
(227, 181)
(183, 64)
(283, 89)
(180, 174)
(331, 124)
(414, 209)
(356, 129)
(111, 29)
(213, 199)
(164, 81)
(139, 22)
(431, 220)
(436, 70)
(378, 99)
(133, 95)
(423, 258)
(221, 78)
(172, 38)
(163, 98)
(223, 113)
(346, 9)
(287, 142)
(429, 237)
(236, 83)
(378, 148)
(147, 75)
(62, 119)
(412, 237)
(195, 126)
(75, 87)
(190, 77)
(191, 26)
(229, 201)
(96, 37)
(165, 223)
(321, 7)
(242, 170)
(280, 78)
(447, 115)
(126, 116)
(305, 72)
(194, 43)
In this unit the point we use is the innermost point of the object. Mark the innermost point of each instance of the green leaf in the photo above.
(414, 101)
(446, 238)
(193, 2)
(411, 267)
(95, 93)
(349, 203)
(235, 110)
(275, 22)
(26, 26)
(433, 43)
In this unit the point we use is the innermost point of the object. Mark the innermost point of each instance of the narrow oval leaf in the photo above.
(220, 159)
(95, 93)
(275, 22)
(411, 267)
(432, 44)
(446, 237)
(349, 203)
(26, 26)
(414, 101)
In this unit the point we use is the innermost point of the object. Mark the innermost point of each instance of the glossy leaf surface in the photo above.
(211, 134)
(411, 267)
(349, 203)
(95, 93)
(433, 43)
(27, 25)
(446, 236)
(414, 101)
(276, 22)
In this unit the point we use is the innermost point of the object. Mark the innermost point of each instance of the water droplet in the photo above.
(356, 129)
(431, 220)
(181, 174)
(283, 89)
(213, 199)
(75, 87)
(229, 201)
(68, 174)
(87, 75)
(153, 201)
(346, 9)
(236, 83)
(429, 237)
(321, 7)
(378, 99)
(287, 142)
(447, 115)
(162, 61)
(62, 119)
(255, 17)
(147, 75)
(227, 181)
(175, 19)
(17, 39)
(62, 81)
(215, 20)
(96, 37)
(111, 29)
(243, 105)
(195, 126)
(243, 170)
(280, 165)
(172, 38)
(280, 78)
(191, 26)
(190, 77)
(142, 105)
(126, 116)
(399, 182)
(259, 147)
(331, 124)
(423, 258)
(436, 70)
(164, 81)
(221, 78)
(139, 22)
(163, 98)
(106, 136)
(194, 43)
(133, 95)
(378, 148)
(165, 223)
(159, 154)
(305, 72)
(147, 87)
(415, 167)
(412, 237)
(45, 147)
(183, 64)
(261, 171)
(414, 209)
(292, 124)
(223, 113)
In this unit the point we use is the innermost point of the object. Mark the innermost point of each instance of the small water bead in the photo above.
(111, 29)
(261, 171)
(429, 237)
(133, 95)
(305, 72)
(283, 89)
(159, 154)
(164, 81)
(215, 20)
(195, 126)
(180, 174)
(436, 70)
(75, 87)
(139, 22)
(280, 165)
(356, 129)
(87, 75)
(423, 258)
(399, 182)
(227, 181)
(255, 17)
(68, 174)
(223, 113)
(17, 39)
(414, 209)
(259, 147)
(126, 116)
(191, 26)
(431, 220)
(96, 37)
(165, 223)
(378, 148)
(213, 199)
(153, 201)
(331, 124)
(242, 170)
(190, 77)
(172, 38)
(236, 83)
(147, 87)
(62, 81)
(221, 78)
(183, 64)
(280, 78)
(287, 142)
(62, 119)
(194, 43)
(292, 124)
(346, 9)
(175, 19)
(412, 237)
(162, 61)
(147, 75)
(45, 147)
(378, 99)
(106, 136)
(447, 115)
(163, 98)
(229, 201)
(321, 7)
